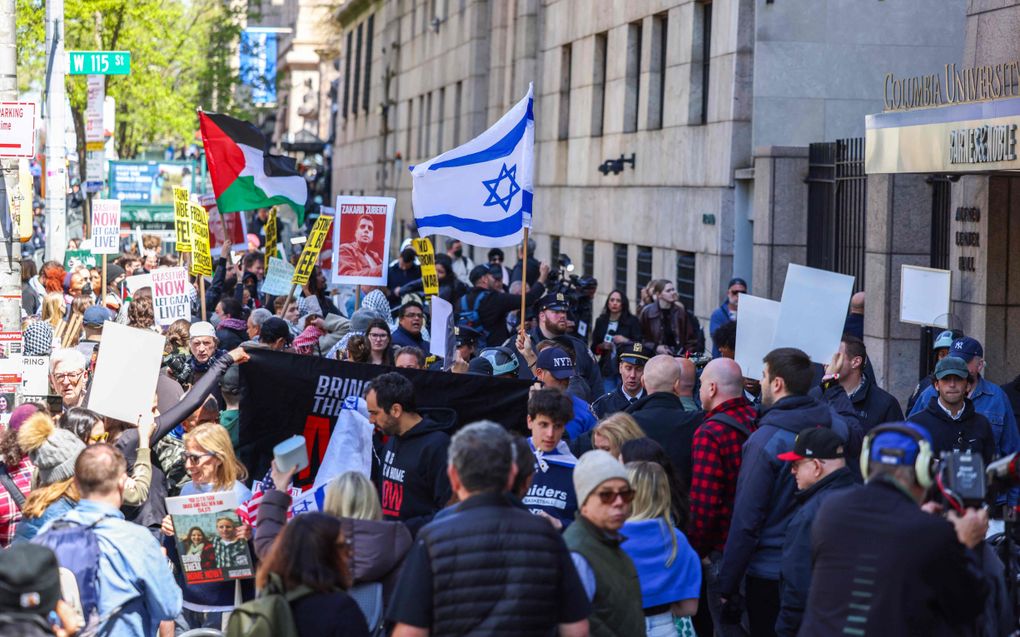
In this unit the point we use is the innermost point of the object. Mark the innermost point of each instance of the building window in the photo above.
(685, 262)
(565, 55)
(657, 72)
(702, 58)
(355, 90)
(458, 96)
(410, 127)
(421, 127)
(365, 102)
(428, 125)
(598, 100)
(588, 258)
(554, 249)
(349, 53)
(633, 81)
(644, 266)
(620, 267)
(440, 118)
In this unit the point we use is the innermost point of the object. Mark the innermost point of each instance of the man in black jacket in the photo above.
(818, 464)
(662, 416)
(882, 565)
(495, 305)
(950, 417)
(490, 564)
(632, 357)
(552, 324)
(413, 481)
(873, 404)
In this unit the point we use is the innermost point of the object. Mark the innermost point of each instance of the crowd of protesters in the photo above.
(647, 493)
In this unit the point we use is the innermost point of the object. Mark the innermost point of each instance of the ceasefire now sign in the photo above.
(99, 62)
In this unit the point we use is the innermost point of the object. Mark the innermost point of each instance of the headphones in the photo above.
(924, 463)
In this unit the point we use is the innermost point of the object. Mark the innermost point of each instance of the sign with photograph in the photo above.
(205, 529)
(361, 239)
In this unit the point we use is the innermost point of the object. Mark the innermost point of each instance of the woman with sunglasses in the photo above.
(210, 461)
(380, 342)
(668, 568)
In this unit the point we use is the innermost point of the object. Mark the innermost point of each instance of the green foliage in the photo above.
(183, 56)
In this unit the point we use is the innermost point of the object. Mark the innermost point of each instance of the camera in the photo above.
(961, 476)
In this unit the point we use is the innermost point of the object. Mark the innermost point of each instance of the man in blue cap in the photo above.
(92, 323)
(989, 400)
(941, 348)
(884, 566)
(727, 312)
(554, 368)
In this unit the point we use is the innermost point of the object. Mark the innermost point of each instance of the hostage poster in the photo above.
(361, 240)
(205, 531)
(284, 394)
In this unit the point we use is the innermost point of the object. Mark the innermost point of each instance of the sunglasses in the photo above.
(103, 437)
(609, 497)
(195, 458)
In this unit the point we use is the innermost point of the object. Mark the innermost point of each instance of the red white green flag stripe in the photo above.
(244, 175)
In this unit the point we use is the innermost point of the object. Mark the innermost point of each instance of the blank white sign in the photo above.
(756, 327)
(924, 296)
(126, 371)
(813, 311)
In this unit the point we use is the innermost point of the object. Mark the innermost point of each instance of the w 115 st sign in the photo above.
(99, 62)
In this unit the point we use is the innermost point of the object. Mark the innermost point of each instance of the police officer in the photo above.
(467, 342)
(632, 357)
(552, 323)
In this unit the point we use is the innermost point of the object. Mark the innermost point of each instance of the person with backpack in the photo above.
(123, 582)
(52, 452)
(485, 309)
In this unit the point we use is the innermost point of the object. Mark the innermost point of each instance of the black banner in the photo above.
(284, 394)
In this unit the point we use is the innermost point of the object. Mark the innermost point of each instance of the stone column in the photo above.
(780, 216)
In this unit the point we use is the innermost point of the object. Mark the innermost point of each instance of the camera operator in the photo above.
(884, 566)
(493, 306)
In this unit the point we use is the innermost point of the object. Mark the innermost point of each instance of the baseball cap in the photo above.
(555, 361)
(274, 329)
(95, 316)
(465, 335)
(554, 301)
(633, 353)
(478, 272)
(895, 447)
(29, 579)
(734, 281)
(951, 366)
(966, 348)
(944, 339)
(820, 443)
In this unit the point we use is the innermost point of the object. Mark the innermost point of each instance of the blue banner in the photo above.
(258, 64)
(149, 182)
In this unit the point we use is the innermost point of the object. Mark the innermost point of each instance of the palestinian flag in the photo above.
(244, 175)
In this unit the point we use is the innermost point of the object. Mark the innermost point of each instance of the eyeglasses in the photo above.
(609, 497)
(103, 437)
(71, 376)
(195, 458)
(378, 335)
(417, 315)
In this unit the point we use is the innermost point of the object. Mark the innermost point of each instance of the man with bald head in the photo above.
(855, 319)
(662, 416)
(688, 379)
(716, 453)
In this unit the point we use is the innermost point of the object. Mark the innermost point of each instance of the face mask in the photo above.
(459, 252)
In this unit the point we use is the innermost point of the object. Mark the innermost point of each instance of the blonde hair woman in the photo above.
(53, 308)
(377, 546)
(53, 451)
(668, 568)
(610, 434)
(210, 461)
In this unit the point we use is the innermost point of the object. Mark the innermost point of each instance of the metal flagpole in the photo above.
(524, 281)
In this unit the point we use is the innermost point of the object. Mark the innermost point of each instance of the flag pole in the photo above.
(524, 280)
(201, 293)
(290, 297)
(102, 298)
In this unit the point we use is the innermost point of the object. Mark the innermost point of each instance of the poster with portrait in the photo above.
(231, 225)
(361, 240)
(206, 531)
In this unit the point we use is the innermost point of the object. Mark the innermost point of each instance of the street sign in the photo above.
(17, 129)
(99, 62)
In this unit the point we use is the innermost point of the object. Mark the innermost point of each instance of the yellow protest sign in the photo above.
(427, 260)
(271, 236)
(182, 219)
(201, 259)
(310, 255)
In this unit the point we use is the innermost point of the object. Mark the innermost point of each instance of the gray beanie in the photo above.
(55, 458)
(594, 468)
(361, 319)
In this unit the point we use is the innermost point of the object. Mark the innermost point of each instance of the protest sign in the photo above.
(310, 255)
(170, 295)
(35, 378)
(138, 281)
(105, 226)
(924, 296)
(205, 530)
(813, 311)
(326, 253)
(126, 370)
(756, 329)
(272, 238)
(362, 239)
(279, 275)
(443, 342)
(284, 394)
(76, 258)
(182, 219)
(201, 257)
(427, 260)
(231, 225)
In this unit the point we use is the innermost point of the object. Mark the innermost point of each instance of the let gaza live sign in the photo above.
(17, 129)
(99, 62)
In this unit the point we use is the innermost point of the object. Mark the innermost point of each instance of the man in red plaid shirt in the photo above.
(716, 450)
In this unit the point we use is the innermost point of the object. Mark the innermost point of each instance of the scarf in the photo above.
(201, 368)
(234, 324)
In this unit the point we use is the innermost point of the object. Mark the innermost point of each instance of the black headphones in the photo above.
(924, 463)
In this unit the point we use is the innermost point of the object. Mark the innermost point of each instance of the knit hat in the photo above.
(361, 319)
(38, 339)
(29, 579)
(594, 468)
(113, 271)
(200, 329)
(20, 415)
(52, 450)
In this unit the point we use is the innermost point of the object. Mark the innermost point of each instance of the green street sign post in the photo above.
(99, 62)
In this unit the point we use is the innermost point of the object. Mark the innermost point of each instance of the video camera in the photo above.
(965, 481)
(562, 280)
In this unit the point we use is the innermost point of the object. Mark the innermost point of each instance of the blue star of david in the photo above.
(492, 185)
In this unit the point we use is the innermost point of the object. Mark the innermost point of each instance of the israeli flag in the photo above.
(481, 192)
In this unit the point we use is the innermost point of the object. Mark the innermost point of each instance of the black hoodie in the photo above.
(970, 432)
(413, 481)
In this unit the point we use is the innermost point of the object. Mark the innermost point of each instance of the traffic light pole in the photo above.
(56, 156)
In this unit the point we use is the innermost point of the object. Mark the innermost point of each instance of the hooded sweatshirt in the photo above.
(552, 489)
(413, 480)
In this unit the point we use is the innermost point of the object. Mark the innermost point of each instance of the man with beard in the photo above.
(358, 259)
(765, 498)
(552, 324)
